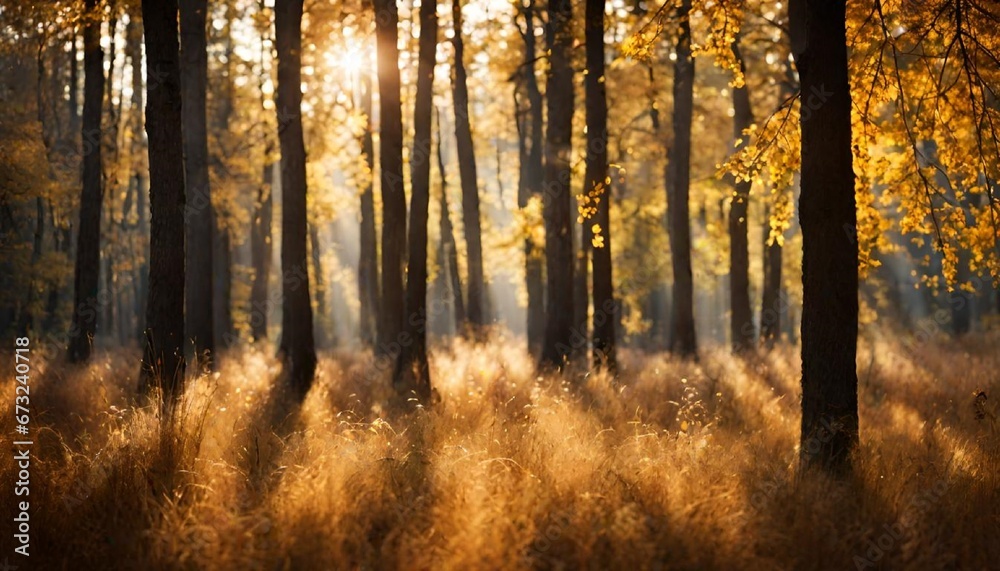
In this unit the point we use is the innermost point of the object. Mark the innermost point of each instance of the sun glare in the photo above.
(350, 61)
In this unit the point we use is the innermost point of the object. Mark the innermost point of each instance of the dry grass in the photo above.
(682, 466)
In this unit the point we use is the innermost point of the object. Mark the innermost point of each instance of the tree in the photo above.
(261, 246)
(741, 316)
(467, 172)
(598, 184)
(530, 181)
(391, 177)
(260, 251)
(682, 337)
(199, 218)
(88, 244)
(770, 308)
(297, 345)
(829, 254)
(140, 277)
(559, 315)
(368, 259)
(163, 358)
(447, 249)
(412, 371)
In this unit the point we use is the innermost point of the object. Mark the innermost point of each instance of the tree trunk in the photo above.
(297, 345)
(368, 260)
(222, 256)
(559, 314)
(412, 371)
(581, 291)
(88, 255)
(530, 186)
(140, 275)
(829, 256)
(682, 339)
(598, 181)
(163, 359)
(199, 221)
(260, 254)
(391, 166)
(770, 306)
(741, 325)
(467, 170)
(448, 252)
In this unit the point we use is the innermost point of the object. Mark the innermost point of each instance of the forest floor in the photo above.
(679, 466)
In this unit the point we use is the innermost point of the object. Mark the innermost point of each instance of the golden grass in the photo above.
(680, 466)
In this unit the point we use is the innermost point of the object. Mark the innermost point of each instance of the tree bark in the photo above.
(88, 255)
(559, 314)
(412, 371)
(829, 255)
(297, 345)
(770, 306)
(530, 186)
(260, 255)
(368, 260)
(605, 309)
(222, 256)
(469, 176)
(391, 166)
(163, 359)
(581, 291)
(199, 219)
(741, 325)
(448, 252)
(682, 339)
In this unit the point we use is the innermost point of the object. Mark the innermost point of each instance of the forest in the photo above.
(500, 284)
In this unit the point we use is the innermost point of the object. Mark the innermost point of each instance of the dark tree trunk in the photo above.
(368, 260)
(448, 252)
(88, 255)
(467, 170)
(163, 359)
(682, 339)
(772, 310)
(530, 186)
(581, 292)
(605, 310)
(260, 254)
(109, 140)
(829, 256)
(741, 316)
(199, 221)
(770, 307)
(412, 371)
(391, 165)
(261, 247)
(559, 314)
(297, 346)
